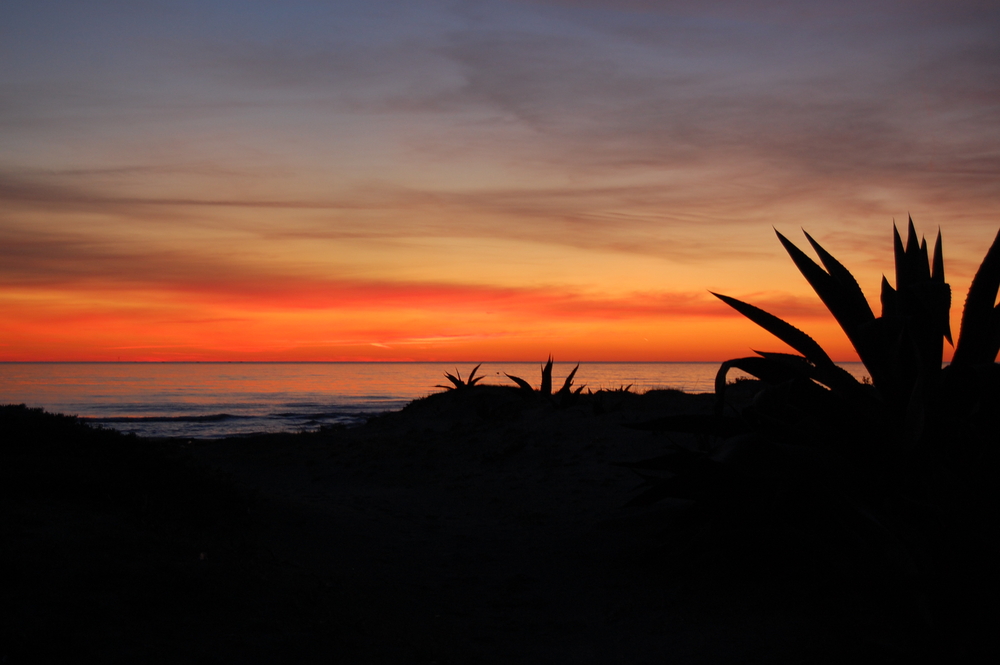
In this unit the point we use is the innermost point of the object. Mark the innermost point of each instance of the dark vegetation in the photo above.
(457, 383)
(115, 549)
(894, 482)
(565, 395)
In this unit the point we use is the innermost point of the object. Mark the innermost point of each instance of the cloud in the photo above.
(800, 99)
(799, 121)
(639, 219)
(76, 264)
(548, 305)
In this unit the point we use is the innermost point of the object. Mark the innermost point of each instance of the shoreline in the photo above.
(285, 397)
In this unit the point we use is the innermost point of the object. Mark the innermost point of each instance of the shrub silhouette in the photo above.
(898, 476)
(545, 389)
(458, 383)
(901, 349)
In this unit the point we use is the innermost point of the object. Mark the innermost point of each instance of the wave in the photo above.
(211, 418)
(322, 415)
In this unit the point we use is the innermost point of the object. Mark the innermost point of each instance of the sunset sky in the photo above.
(474, 180)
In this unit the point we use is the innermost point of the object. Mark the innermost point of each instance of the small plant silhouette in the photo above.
(546, 386)
(458, 383)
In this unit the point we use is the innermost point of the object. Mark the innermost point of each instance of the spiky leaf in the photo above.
(937, 272)
(845, 279)
(783, 330)
(937, 277)
(546, 388)
(569, 380)
(899, 257)
(841, 295)
(524, 385)
(976, 336)
(767, 370)
(455, 378)
(889, 298)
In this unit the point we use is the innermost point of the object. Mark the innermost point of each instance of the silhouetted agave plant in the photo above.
(902, 348)
(546, 386)
(458, 383)
(904, 467)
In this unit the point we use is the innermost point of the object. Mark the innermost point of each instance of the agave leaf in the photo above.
(889, 298)
(936, 298)
(524, 385)
(937, 277)
(783, 330)
(916, 254)
(842, 296)
(922, 301)
(848, 283)
(861, 331)
(569, 380)
(455, 378)
(546, 388)
(473, 379)
(911, 263)
(821, 281)
(767, 369)
(922, 263)
(995, 332)
(975, 337)
(833, 376)
(764, 369)
(937, 272)
(899, 256)
(788, 359)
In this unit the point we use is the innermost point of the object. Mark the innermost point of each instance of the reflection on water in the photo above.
(220, 399)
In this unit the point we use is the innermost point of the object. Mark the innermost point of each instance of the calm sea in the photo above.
(210, 400)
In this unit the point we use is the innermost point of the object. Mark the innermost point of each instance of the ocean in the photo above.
(212, 400)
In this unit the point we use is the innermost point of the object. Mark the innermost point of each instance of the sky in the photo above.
(457, 180)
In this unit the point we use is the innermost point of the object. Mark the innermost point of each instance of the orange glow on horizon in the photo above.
(146, 326)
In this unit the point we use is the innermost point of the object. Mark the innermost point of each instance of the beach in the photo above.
(474, 526)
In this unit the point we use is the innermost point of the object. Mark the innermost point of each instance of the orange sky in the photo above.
(474, 181)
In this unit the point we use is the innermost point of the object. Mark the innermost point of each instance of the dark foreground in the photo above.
(473, 527)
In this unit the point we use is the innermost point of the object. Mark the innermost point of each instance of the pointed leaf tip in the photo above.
(937, 272)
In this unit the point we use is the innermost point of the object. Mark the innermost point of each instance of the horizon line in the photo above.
(359, 362)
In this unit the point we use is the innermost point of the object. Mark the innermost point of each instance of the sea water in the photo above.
(210, 400)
